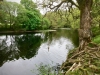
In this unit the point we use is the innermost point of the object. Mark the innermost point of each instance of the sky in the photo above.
(18, 1)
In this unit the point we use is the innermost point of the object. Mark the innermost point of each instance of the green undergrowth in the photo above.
(96, 39)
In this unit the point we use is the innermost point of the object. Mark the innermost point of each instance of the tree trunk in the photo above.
(85, 24)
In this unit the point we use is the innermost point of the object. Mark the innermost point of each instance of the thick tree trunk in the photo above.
(85, 24)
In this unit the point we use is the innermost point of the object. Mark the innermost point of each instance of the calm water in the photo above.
(23, 54)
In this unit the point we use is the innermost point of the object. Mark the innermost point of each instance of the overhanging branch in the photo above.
(51, 6)
(57, 6)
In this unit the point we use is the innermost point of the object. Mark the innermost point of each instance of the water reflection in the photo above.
(18, 46)
(19, 54)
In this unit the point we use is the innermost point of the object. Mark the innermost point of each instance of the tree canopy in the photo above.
(24, 16)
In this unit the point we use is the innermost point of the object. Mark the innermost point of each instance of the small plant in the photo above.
(48, 70)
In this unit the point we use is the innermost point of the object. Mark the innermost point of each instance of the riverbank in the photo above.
(85, 62)
(21, 32)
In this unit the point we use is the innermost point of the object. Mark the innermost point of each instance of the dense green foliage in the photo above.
(30, 20)
(97, 39)
(24, 16)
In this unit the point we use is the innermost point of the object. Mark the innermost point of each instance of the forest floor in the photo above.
(84, 62)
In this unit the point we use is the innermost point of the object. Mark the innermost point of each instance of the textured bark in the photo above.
(85, 23)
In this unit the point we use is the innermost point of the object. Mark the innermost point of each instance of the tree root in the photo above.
(87, 59)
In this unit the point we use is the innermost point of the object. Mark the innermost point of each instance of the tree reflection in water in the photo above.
(28, 46)
(18, 46)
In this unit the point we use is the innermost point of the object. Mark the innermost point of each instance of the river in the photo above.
(23, 54)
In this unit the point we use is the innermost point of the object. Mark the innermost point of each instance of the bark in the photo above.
(85, 24)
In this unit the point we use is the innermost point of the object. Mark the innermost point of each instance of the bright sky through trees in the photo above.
(18, 1)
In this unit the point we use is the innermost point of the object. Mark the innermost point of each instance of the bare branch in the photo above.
(62, 2)
(57, 6)
(73, 3)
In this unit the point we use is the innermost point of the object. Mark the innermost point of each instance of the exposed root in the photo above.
(87, 60)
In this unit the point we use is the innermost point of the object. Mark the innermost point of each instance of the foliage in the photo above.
(20, 17)
(44, 70)
(31, 21)
(47, 70)
(96, 21)
(8, 13)
(96, 39)
(64, 19)
(45, 24)
(23, 16)
(28, 4)
(96, 18)
(33, 16)
(95, 30)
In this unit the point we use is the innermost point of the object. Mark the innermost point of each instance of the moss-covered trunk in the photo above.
(85, 23)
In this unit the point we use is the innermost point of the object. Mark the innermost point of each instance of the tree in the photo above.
(85, 22)
(3, 15)
(80, 61)
(85, 16)
(32, 17)
(9, 9)
(32, 21)
(28, 4)
(64, 18)
(45, 24)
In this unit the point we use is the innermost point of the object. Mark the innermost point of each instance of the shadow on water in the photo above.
(36, 48)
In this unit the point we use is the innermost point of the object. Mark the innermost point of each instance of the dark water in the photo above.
(21, 54)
